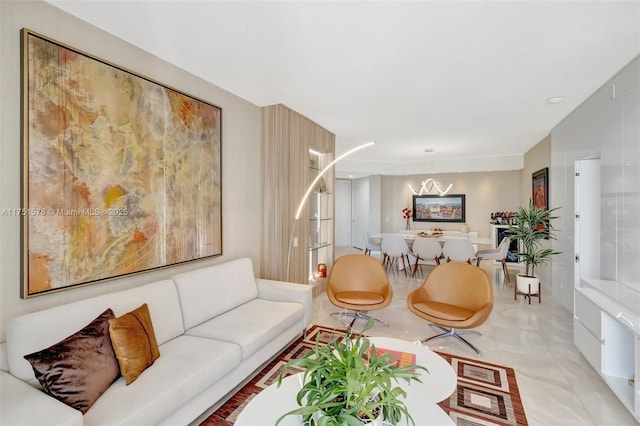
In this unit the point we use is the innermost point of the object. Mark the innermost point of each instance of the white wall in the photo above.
(360, 211)
(485, 193)
(607, 125)
(538, 157)
(241, 149)
(343, 213)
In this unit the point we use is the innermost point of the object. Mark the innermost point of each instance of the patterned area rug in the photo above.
(487, 394)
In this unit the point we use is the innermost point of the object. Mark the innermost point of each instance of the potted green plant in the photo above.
(347, 383)
(531, 225)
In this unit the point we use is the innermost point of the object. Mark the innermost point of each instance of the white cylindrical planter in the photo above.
(528, 285)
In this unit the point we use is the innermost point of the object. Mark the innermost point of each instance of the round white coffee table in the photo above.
(439, 383)
(266, 407)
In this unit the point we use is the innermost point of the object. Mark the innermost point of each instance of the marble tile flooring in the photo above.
(557, 385)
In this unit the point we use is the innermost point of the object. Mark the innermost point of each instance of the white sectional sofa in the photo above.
(214, 326)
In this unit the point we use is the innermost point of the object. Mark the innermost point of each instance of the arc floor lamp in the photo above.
(306, 195)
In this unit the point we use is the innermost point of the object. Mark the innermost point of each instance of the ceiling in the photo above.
(468, 79)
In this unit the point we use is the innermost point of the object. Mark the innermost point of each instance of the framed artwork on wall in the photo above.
(121, 174)
(540, 188)
(439, 208)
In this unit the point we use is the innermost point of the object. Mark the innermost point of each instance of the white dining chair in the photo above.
(499, 254)
(371, 244)
(458, 250)
(427, 252)
(473, 234)
(394, 248)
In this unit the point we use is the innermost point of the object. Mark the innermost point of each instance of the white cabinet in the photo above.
(587, 334)
(619, 367)
(608, 336)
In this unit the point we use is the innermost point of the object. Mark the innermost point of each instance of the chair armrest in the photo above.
(484, 312)
(287, 292)
(22, 404)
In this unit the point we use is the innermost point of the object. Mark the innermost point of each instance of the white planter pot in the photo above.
(528, 285)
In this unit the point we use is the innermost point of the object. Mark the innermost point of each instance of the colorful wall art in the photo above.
(439, 208)
(121, 173)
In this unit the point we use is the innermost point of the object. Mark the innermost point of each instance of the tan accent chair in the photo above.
(358, 283)
(454, 296)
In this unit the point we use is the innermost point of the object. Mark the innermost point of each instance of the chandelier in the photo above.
(426, 186)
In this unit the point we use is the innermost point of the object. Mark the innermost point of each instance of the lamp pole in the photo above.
(306, 195)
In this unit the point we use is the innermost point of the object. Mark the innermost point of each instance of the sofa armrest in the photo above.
(287, 292)
(22, 404)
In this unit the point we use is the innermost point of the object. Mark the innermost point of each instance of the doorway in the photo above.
(587, 220)
(343, 213)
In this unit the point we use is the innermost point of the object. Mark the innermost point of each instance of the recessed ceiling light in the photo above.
(554, 100)
(428, 150)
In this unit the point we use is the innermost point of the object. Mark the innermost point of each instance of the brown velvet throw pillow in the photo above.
(78, 369)
(134, 342)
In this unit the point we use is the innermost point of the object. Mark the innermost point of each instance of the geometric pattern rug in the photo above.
(486, 394)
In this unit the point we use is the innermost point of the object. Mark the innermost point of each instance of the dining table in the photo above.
(410, 237)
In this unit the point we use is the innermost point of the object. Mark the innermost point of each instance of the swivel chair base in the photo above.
(356, 315)
(456, 333)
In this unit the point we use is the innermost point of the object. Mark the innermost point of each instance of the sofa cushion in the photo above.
(134, 342)
(209, 292)
(81, 367)
(18, 402)
(31, 332)
(251, 325)
(187, 367)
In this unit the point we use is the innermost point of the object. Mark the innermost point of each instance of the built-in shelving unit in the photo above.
(606, 326)
(321, 212)
(296, 150)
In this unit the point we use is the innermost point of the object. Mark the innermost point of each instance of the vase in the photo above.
(408, 226)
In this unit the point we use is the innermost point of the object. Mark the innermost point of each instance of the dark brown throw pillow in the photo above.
(134, 342)
(81, 367)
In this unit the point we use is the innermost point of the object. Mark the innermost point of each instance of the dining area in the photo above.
(410, 251)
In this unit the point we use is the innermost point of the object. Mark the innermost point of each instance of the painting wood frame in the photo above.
(121, 174)
(439, 208)
(540, 188)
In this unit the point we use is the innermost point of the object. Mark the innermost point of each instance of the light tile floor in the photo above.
(557, 385)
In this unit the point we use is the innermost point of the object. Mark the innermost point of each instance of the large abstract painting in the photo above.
(121, 173)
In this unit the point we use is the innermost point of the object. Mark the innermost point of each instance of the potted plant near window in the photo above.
(347, 383)
(531, 225)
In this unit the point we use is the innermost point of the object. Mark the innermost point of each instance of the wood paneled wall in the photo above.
(287, 137)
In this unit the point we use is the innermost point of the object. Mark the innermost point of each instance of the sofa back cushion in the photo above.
(38, 330)
(206, 293)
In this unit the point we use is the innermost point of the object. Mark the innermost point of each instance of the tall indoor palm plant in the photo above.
(531, 226)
